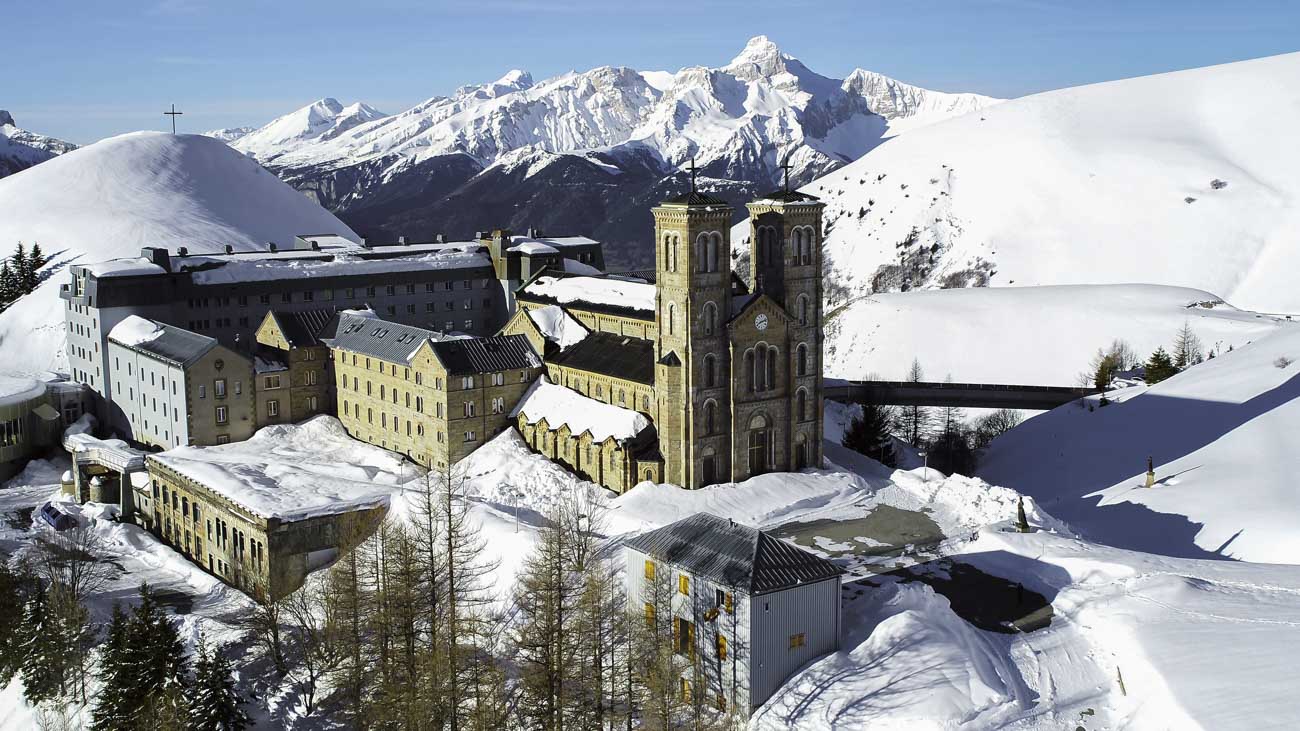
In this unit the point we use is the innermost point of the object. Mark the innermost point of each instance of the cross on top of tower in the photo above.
(692, 170)
(173, 114)
(786, 167)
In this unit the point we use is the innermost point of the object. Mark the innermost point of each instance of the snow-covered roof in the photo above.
(131, 267)
(16, 390)
(634, 294)
(554, 241)
(557, 326)
(563, 406)
(135, 330)
(293, 471)
(533, 248)
(273, 269)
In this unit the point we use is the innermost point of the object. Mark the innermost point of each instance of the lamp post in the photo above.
(925, 455)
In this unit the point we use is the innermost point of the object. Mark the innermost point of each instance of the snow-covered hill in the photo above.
(20, 149)
(1153, 179)
(1032, 335)
(111, 198)
(1225, 440)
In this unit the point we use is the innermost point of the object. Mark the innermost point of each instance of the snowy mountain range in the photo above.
(1141, 180)
(589, 151)
(20, 149)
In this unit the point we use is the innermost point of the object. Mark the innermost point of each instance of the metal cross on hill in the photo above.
(173, 114)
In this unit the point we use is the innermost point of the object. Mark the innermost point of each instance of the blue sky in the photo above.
(82, 69)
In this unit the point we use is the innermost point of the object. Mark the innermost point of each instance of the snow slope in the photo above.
(109, 199)
(1225, 440)
(1032, 335)
(1086, 185)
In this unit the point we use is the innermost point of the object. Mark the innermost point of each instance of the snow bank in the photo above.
(135, 330)
(556, 325)
(1225, 440)
(615, 291)
(17, 389)
(129, 267)
(296, 471)
(562, 406)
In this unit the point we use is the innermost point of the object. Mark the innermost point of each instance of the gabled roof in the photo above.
(170, 343)
(743, 304)
(305, 328)
(486, 355)
(618, 356)
(388, 341)
(732, 554)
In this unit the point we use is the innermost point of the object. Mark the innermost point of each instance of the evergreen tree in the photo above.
(871, 434)
(21, 267)
(8, 285)
(915, 420)
(40, 664)
(1159, 367)
(112, 705)
(32, 275)
(16, 586)
(214, 705)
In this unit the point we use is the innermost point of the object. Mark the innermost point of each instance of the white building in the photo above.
(748, 609)
(172, 387)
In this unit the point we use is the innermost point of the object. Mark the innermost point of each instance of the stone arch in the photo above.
(710, 416)
(709, 318)
(710, 371)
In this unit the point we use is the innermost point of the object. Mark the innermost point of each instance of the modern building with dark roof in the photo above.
(746, 609)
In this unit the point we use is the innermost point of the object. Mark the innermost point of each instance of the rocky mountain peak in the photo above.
(6, 118)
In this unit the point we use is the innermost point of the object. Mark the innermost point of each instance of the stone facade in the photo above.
(264, 557)
(300, 376)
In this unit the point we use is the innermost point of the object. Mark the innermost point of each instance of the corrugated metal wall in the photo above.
(812, 610)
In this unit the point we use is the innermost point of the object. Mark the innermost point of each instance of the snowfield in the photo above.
(1042, 336)
(109, 199)
(1224, 437)
(1087, 185)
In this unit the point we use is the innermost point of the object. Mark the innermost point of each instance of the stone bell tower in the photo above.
(692, 302)
(786, 265)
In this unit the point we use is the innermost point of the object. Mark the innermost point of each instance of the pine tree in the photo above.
(40, 663)
(16, 586)
(915, 420)
(112, 705)
(8, 285)
(22, 268)
(214, 705)
(35, 260)
(1022, 523)
(1159, 367)
(871, 434)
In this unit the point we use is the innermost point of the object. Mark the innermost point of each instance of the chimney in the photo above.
(401, 240)
(315, 245)
(230, 248)
(182, 251)
(439, 239)
(157, 255)
(271, 245)
(364, 244)
(480, 234)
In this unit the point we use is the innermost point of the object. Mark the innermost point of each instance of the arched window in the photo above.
(701, 253)
(710, 377)
(715, 246)
(801, 405)
(760, 248)
(676, 241)
(710, 416)
(771, 368)
(668, 259)
(709, 318)
(751, 382)
(803, 309)
(672, 311)
(801, 359)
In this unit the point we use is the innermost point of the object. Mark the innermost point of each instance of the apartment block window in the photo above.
(271, 382)
(448, 326)
(223, 439)
(392, 309)
(467, 284)
(469, 436)
(722, 647)
(428, 307)
(797, 641)
(449, 286)
(222, 416)
(649, 569)
(286, 297)
(308, 296)
(350, 293)
(243, 300)
(449, 306)
(684, 584)
(498, 379)
(203, 391)
(370, 291)
(469, 408)
(410, 309)
(498, 405)
(428, 286)
(264, 299)
(219, 388)
(469, 304)
(311, 378)
(311, 402)
(390, 290)
(469, 324)
(410, 289)
(467, 382)
(273, 408)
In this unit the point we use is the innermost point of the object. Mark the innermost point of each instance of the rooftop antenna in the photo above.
(173, 114)
(692, 170)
